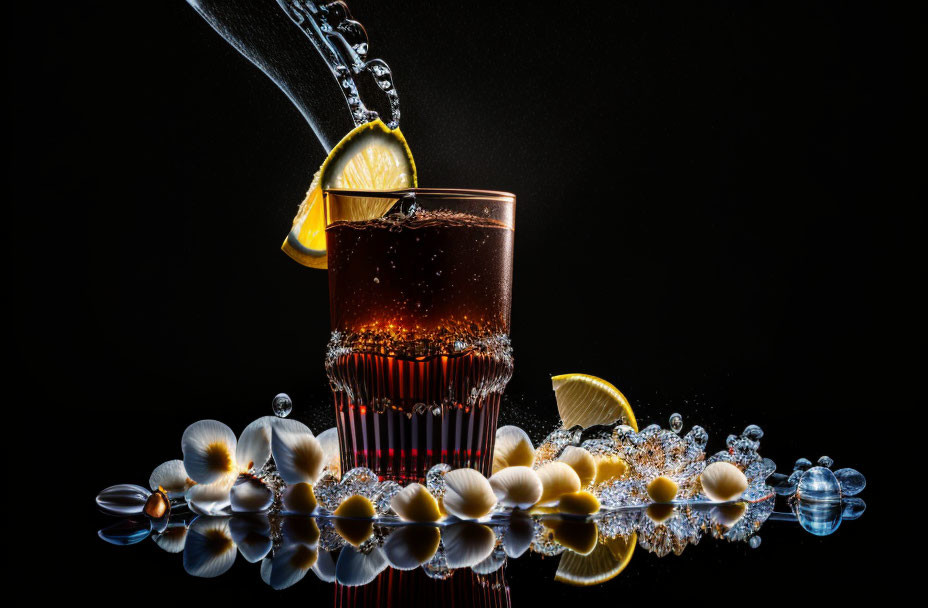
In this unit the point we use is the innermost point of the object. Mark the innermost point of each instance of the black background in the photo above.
(713, 214)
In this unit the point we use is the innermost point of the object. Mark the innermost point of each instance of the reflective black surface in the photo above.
(715, 214)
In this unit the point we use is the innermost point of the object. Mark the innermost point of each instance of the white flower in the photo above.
(213, 459)
(297, 453)
(170, 476)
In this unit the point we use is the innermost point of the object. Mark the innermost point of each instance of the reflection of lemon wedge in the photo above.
(370, 157)
(588, 400)
(604, 563)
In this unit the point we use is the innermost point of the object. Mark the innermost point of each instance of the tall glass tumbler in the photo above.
(420, 303)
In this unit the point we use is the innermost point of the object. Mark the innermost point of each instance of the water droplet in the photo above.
(376, 280)
(819, 484)
(754, 542)
(851, 480)
(124, 499)
(803, 464)
(753, 432)
(731, 440)
(826, 462)
(282, 405)
(698, 437)
(676, 423)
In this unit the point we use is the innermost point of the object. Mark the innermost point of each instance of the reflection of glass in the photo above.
(415, 588)
(420, 303)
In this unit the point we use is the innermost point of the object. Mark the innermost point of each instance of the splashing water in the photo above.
(315, 53)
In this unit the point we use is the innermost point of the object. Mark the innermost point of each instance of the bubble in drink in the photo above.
(282, 405)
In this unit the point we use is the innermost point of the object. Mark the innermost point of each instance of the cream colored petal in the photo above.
(467, 544)
(209, 451)
(662, 489)
(354, 568)
(212, 498)
(581, 461)
(299, 498)
(252, 535)
(172, 477)
(325, 567)
(300, 529)
(250, 495)
(331, 459)
(288, 566)
(209, 550)
(517, 487)
(254, 445)
(723, 481)
(297, 452)
(557, 479)
(728, 515)
(513, 448)
(468, 494)
(519, 535)
(491, 564)
(172, 539)
(408, 547)
(414, 503)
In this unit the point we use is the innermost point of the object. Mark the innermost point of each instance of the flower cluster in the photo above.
(278, 463)
(653, 489)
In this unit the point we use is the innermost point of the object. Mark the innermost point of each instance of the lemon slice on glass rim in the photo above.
(369, 157)
(587, 400)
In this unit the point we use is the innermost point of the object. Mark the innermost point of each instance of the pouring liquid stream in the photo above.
(315, 53)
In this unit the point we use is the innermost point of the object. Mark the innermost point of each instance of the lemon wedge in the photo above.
(605, 562)
(370, 157)
(587, 400)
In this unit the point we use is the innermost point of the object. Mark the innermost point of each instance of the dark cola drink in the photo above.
(420, 352)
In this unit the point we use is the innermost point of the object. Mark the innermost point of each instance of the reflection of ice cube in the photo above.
(435, 479)
(818, 518)
(852, 508)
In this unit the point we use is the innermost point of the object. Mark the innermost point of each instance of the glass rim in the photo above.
(459, 193)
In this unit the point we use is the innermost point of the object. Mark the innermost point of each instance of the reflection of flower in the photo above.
(209, 550)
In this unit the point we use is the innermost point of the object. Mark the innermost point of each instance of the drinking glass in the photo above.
(420, 303)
